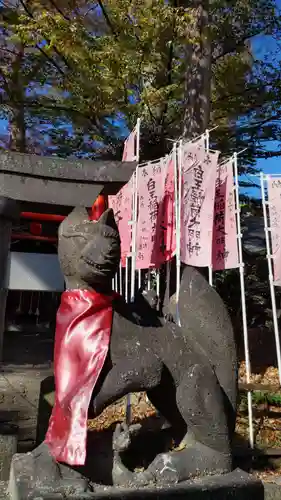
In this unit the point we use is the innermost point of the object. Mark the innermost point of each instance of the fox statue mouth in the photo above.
(101, 271)
(106, 268)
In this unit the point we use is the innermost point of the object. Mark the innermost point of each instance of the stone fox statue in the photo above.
(188, 372)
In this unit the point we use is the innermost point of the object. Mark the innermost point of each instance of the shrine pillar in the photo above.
(9, 212)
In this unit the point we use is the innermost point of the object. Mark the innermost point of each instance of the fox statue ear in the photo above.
(77, 216)
(107, 219)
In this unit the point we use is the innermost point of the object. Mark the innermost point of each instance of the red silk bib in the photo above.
(83, 329)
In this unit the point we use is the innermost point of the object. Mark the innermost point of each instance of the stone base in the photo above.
(36, 475)
(234, 486)
(8, 447)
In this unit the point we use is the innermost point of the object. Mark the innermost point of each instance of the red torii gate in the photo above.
(98, 207)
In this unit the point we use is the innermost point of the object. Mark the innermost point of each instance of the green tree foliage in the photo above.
(75, 75)
(178, 65)
(120, 59)
(34, 98)
(22, 76)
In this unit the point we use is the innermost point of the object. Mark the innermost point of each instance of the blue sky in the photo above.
(266, 47)
(3, 126)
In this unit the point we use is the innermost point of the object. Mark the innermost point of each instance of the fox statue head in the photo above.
(89, 251)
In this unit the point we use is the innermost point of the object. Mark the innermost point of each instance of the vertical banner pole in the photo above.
(210, 273)
(207, 146)
(168, 264)
(148, 279)
(134, 242)
(163, 162)
(178, 189)
(270, 275)
(134, 235)
(243, 300)
(138, 140)
(158, 286)
(127, 280)
(135, 214)
(120, 278)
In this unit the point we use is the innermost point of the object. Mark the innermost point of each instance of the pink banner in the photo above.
(150, 194)
(225, 250)
(167, 228)
(197, 211)
(122, 208)
(129, 153)
(122, 202)
(190, 151)
(274, 198)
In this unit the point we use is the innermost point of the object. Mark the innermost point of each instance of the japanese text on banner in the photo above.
(122, 208)
(166, 229)
(197, 211)
(225, 250)
(122, 202)
(150, 195)
(274, 198)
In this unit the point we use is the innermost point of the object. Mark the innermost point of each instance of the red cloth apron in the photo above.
(83, 329)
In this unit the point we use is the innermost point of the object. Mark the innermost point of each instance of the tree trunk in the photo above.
(17, 92)
(18, 129)
(198, 74)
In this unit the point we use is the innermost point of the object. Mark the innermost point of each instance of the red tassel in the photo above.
(99, 207)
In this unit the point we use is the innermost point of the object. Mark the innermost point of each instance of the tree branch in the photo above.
(51, 60)
(231, 45)
(270, 154)
(57, 8)
(115, 34)
(250, 128)
(57, 107)
(5, 82)
(251, 88)
(4, 49)
(37, 46)
(29, 13)
(24, 6)
(132, 24)
(90, 9)
(169, 82)
(106, 16)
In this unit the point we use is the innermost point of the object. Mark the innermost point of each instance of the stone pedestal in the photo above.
(8, 447)
(9, 212)
(234, 486)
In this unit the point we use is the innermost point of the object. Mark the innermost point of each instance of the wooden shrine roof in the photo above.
(52, 180)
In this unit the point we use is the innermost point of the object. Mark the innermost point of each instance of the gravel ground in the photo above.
(3, 490)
